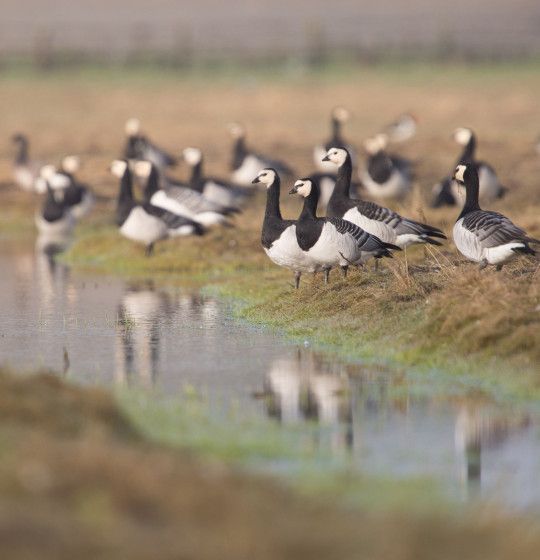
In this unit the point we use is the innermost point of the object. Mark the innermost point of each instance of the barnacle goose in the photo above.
(25, 171)
(54, 218)
(484, 236)
(446, 192)
(216, 190)
(278, 236)
(246, 163)
(144, 223)
(333, 242)
(138, 146)
(77, 196)
(338, 118)
(385, 176)
(377, 220)
(180, 199)
(402, 129)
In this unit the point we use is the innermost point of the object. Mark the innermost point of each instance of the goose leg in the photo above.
(149, 250)
(483, 264)
(326, 275)
(297, 279)
(376, 265)
(344, 270)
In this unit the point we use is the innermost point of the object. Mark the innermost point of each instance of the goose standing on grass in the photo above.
(246, 163)
(338, 118)
(180, 199)
(143, 223)
(213, 189)
(25, 171)
(446, 192)
(385, 176)
(138, 146)
(333, 242)
(77, 196)
(179, 224)
(402, 129)
(54, 219)
(278, 236)
(484, 236)
(386, 224)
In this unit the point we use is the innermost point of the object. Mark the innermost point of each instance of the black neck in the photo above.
(126, 201)
(343, 180)
(196, 176)
(272, 200)
(239, 152)
(472, 187)
(152, 184)
(52, 210)
(336, 132)
(467, 155)
(309, 210)
(22, 151)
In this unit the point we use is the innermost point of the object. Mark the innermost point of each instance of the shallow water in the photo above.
(104, 330)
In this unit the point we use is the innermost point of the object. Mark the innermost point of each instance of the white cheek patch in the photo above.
(118, 168)
(460, 171)
(304, 189)
(462, 135)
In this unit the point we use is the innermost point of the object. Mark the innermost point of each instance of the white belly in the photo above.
(502, 253)
(334, 249)
(143, 227)
(249, 169)
(24, 177)
(397, 186)
(375, 227)
(407, 239)
(286, 252)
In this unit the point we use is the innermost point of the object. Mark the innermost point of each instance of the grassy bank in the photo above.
(77, 479)
(437, 312)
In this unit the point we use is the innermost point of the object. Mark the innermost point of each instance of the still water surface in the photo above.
(108, 331)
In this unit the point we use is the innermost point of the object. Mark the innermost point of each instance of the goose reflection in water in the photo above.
(141, 314)
(305, 387)
(479, 428)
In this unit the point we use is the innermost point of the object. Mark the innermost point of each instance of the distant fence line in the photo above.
(182, 45)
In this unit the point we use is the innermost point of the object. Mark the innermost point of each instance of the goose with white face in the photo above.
(266, 177)
(376, 144)
(336, 155)
(133, 127)
(118, 168)
(71, 164)
(192, 156)
(303, 187)
(462, 135)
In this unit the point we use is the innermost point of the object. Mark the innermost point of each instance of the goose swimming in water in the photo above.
(338, 118)
(278, 236)
(139, 147)
(246, 163)
(333, 242)
(484, 236)
(447, 193)
(386, 224)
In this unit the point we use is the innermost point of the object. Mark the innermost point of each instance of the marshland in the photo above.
(194, 403)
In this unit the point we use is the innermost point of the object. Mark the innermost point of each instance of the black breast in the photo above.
(380, 168)
(308, 232)
(272, 230)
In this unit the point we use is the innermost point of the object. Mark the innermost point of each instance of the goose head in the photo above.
(19, 138)
(462, 135)
(142, 168)
(266, 177)
(377, 144)
(340, 114)
(192, 156)
(132, 127)
(118, 167)
(336, 155)
(71, 164)
(236, 130)
(466, 174)
(303, 187)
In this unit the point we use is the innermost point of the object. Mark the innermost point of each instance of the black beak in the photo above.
(325, 158)
(294, 190)
(256, 180)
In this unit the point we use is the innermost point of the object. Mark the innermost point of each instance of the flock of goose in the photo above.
(352, 231)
